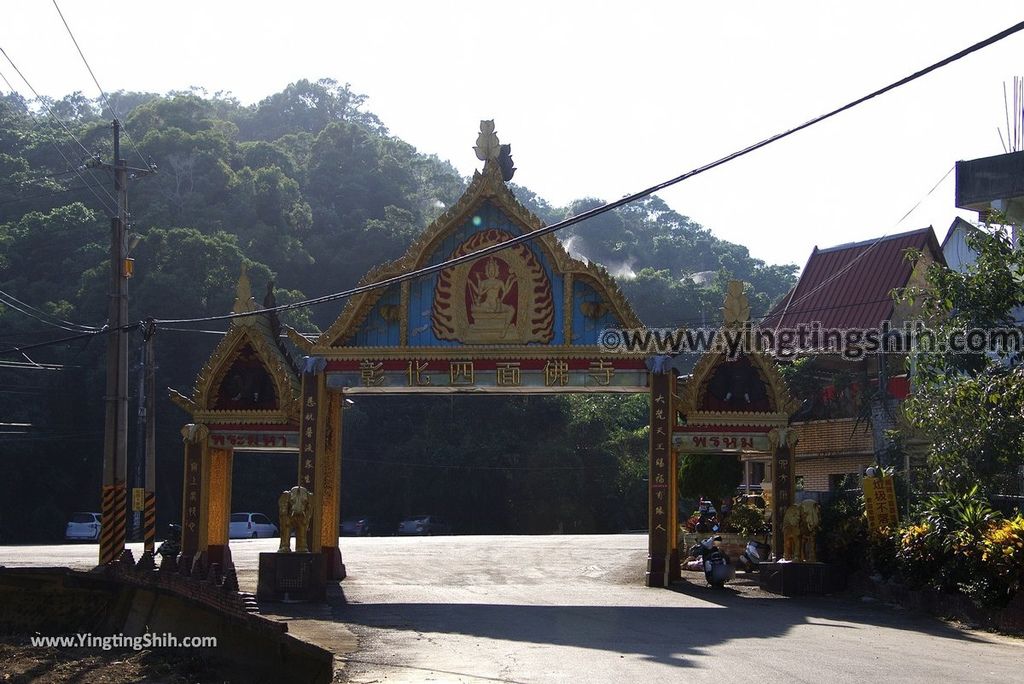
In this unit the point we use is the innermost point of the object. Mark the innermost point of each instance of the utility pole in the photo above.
(115, 447)
(149, 361)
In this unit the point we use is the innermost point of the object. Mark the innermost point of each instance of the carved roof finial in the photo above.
(487, 146)
(244, 301)
(736, 310)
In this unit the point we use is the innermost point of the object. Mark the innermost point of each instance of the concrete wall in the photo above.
(59, 601)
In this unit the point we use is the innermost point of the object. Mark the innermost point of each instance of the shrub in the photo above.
(748, 520)
(1002, 552)
(843, 535)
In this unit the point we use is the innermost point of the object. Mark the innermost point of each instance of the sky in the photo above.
(601, 99)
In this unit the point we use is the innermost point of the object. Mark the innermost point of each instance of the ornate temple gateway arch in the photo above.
(740, 405)
(525, 319)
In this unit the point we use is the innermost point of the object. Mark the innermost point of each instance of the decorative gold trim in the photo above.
(737, 418)
(195, 433)
(695, 388)
(182, 402)
(533, 351)
(489, 389)
(567, 307)
(212, 374)
(403, 322)
(244, 417)
(254, 331)
(485, 185)
(298, 339)
(782, 435)
(736, 314)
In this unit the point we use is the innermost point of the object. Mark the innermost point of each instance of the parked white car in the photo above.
(424, 525)
(83, 527)
(251, 526)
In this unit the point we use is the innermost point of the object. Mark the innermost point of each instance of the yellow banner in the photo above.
(880, 502)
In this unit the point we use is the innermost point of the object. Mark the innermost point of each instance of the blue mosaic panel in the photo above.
(421, 292)
(376, 331)
(585, 330)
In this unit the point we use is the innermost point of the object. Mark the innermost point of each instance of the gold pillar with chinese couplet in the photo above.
(675, 563)
(782, 445)
(329, 483)
(193, 514)
(312, 432)
(661, 540)
(216, 500)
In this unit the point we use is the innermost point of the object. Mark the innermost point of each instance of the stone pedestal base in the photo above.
(655, 576)
(798, 579)
(334, 567)
(289, 577)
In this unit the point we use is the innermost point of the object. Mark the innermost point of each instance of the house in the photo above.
(849, 401)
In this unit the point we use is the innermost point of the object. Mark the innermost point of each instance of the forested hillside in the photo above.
(310, 190)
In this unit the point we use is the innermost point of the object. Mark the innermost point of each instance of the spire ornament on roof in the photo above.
(244, 301)
(736, 310)
(487, 146)
(490, 151)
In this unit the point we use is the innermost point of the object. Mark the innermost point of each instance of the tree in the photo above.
(970, 404)
(713, 476)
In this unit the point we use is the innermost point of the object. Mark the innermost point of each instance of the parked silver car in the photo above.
(83, 527)
(356, 527)
(251, 525)
(424, 525)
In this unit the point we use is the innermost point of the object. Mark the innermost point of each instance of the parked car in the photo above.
(356, 527)
(424, 525)
(83, 527)
(251, 525)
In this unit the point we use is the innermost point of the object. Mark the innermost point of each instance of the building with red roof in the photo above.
(848, 403)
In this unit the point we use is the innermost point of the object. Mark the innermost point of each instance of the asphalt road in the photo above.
(574, 608)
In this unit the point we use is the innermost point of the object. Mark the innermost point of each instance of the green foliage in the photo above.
(712, 476)
(960, 544)
(748, 520)
(843, 534)
(969, 405)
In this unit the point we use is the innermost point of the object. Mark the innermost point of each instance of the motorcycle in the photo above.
(755, 552)
(718, 569)
(171, 546)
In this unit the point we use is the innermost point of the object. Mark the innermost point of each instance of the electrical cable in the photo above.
(596, 211)
(50, 343)
(67, 130)
(860, 256)
(52, 193)
(103, 95)
(41, 176)
(74, 327)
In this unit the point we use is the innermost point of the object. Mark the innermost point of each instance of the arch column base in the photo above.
(334, 568)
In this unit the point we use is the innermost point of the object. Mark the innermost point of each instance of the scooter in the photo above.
(718, 569)
(756, 552)
(171, 545)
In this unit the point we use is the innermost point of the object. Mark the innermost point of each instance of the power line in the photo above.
(44, 195)
(50, 343)
(103, 95)
(66, 325)
(67, 130)
(847, 267)
(41, 176)
(473, 256)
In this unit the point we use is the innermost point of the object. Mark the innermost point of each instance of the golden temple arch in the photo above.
(526, 319)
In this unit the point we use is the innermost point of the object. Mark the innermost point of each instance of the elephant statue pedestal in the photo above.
(799, 578)
(291, 577)
(288, 576)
